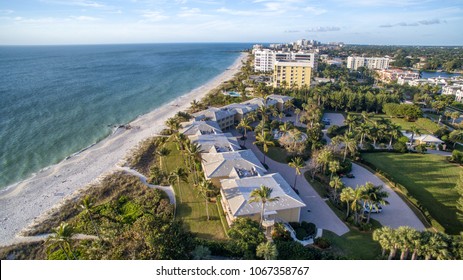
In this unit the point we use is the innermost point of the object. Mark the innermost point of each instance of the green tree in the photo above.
(244, 125)
(455, 115)
(297, 163)
(384, 236)
(247, 235)
(334, 167)
(264, 139)
(347, 196)
(201, 253)
(267, 251)
(162, 153)
(87, 205)
(336, 184)
(179, 174)
(406, 236)
(456, 136)
(206, 189)
(373, 196)
(262, 195)
(349, 142)
(61, 237)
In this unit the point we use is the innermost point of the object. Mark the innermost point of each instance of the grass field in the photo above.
(425, 125)
(429, 178)
(191, 208)
(354, 245)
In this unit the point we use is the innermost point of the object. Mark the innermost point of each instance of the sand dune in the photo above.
(30, 200)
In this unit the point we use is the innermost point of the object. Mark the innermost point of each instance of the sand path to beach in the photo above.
(31, 200)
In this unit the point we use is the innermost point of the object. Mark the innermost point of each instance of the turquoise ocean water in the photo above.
(57, 100)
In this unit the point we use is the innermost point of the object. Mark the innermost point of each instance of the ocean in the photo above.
(58, 100)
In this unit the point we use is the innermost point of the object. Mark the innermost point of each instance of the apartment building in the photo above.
(355, 62)
(292, 73)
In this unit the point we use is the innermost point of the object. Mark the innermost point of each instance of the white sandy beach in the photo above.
(31, 199)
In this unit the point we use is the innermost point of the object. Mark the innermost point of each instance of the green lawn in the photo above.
(428, 178)
(425, 125)
(191, 208)
(277, 154)
(354, 245)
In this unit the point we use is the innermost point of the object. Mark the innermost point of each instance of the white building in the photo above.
(265, 59)
(354, 62)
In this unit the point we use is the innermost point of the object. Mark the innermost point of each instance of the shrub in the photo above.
(309, 227)
(291, 250)
(279, 232)
(457, 156)
(332, 131)
(368, 146)
(345, 166)
(400, 147)
(301, 233)
(322, 243)
(421, 148)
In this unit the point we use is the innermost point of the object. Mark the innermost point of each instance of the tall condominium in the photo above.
(264, 59)
(290, 73)
(354, 62)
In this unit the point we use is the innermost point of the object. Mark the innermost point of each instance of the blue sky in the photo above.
(411, 22)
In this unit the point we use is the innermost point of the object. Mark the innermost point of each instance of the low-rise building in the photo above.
(391, 75)
(236, 196)
(216, 143)
(200, 128)
(223, 117)
(231, 165)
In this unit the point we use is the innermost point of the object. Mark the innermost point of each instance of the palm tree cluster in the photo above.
(363, 197)
(414, 245)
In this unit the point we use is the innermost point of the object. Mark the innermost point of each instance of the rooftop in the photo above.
(237, 193)
(235, 164)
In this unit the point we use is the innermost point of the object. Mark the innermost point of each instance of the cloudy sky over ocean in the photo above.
(423, 22)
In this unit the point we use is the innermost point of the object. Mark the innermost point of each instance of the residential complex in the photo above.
(237, 172)
(392, 75)
(355, 62)
(265, 59)
(292, 73)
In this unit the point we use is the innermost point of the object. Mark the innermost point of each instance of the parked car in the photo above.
(372, 208)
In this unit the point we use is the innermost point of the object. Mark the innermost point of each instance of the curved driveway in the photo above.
(397, 213)
(316, 211)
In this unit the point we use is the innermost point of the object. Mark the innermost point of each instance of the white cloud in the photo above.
(6, 12)
(79, 3)
(314, 10)
(85, 18)
(153, 16)
(323, 29)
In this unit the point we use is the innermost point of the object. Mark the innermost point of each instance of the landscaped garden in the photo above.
(428, 178)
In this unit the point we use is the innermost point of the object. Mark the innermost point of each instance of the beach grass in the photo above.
(191, 207)
(428, 178)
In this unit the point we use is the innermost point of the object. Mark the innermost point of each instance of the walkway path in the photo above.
(167, 189)
(316, 211)
(397, 213)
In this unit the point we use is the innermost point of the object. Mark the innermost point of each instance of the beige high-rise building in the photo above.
(295, 73)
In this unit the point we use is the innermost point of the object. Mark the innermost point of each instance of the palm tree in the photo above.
(245, 125)
(162, 152)
(179, 174)
(374, 195)
(205, 189)
(433, 246)
(285, 127)
(347, 196)
(262, 195)
(406, 236)
(194, 154)
(87, 205)
(363, 131)
(350, 144)
(61, 238)
(266, 140)
(267, 250)
(195, 105)
(394, 133)
(456, 136)
(415, 131)
(297, 163)
(333, 166)
(385, 236)
(324, 157)
(173, 124)
(336, 183)
(297, 112)
(359, 195)
(350, 121)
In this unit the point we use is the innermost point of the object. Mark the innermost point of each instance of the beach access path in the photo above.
(32, 200)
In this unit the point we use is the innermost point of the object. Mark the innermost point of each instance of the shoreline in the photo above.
(28, 201)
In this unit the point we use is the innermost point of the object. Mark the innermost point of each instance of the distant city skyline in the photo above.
(379, 22)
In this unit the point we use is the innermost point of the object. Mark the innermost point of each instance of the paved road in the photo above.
(316, 211)
(397, 213)
(335, 119)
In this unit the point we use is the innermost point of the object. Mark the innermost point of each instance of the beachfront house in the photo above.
(224, 118)
(236, 194)
(200, 128)
(231, 165)
(216, 143)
